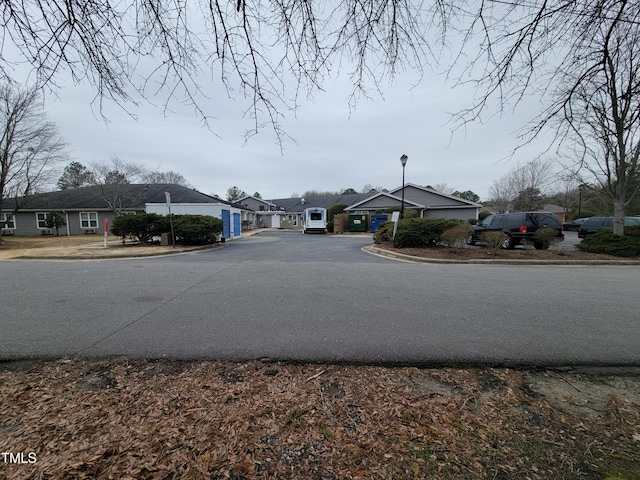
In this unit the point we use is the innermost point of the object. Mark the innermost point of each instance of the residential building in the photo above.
(86, 209)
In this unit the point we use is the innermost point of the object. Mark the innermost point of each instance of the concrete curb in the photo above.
(409, 258)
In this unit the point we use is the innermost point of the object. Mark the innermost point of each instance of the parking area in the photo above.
(569, 243)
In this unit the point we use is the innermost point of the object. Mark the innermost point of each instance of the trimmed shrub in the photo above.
(196, 229)
(421, 232)
(605, 241)
(456, 237)
(141, 227)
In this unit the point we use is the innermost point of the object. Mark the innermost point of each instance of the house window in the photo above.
(7, 221)
(41, 219)
(89, 219)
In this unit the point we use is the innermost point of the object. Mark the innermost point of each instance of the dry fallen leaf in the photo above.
(222, 419)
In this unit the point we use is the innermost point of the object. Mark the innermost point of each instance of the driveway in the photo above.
(320, 298)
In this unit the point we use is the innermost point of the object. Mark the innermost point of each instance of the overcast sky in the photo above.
(331, 148)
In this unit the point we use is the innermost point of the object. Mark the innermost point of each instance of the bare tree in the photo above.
(165, 177)
(255, 48)
(117, 171)
(523, 187)
(580, 59)
(30, 145)
(369, 188)
(442, 188)
(603, 119)
(535, 175)
(114, 178)
(501, 194)
(561, 50)
(319, 193)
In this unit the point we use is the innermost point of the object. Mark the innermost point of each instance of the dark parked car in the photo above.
(518, 226)
(573, 225)
(595, 224)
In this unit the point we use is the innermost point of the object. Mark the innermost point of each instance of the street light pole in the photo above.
(580, 188)
(403, 160)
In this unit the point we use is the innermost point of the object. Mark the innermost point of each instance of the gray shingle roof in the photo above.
(292, 205)
(134, 196)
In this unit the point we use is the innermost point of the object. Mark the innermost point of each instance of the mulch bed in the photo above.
(518, 253)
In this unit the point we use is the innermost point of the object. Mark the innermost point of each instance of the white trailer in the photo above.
(315, 220)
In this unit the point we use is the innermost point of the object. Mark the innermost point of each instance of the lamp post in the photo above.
(580, 188)
(403, 161)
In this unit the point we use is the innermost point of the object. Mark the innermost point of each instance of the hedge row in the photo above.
(605, 241)
(428, 232)
(188, 229)
(414, 232)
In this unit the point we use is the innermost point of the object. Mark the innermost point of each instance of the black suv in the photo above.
(518, 226)
(595, 224)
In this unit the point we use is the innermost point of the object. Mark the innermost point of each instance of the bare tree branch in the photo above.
(30, 145)
(256, 49)
(578, 58)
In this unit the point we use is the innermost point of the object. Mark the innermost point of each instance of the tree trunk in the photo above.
(618, 216)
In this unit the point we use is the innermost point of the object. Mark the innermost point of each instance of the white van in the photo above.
(315, 220)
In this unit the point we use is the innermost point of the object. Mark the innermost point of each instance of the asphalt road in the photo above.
(320, 298)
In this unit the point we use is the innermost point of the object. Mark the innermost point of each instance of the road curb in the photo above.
(498, 261)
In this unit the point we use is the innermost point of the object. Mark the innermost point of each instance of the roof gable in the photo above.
(383, 200)
(431, 197)
(252, 198)
(254, 203)
(299, 204)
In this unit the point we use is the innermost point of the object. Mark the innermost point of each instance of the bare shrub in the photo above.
(456, 237)
(543, 238)
(494, 241)
(384, 233)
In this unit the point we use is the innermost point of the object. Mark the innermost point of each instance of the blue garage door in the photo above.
(236, 224)
(226, 223)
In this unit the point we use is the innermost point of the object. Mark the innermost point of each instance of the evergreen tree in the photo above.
(75, 175)
(234, 194)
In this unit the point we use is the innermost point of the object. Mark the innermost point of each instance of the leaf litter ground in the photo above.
(130, 418)
(143, 419)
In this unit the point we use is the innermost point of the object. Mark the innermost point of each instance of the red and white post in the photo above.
(106, 231)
